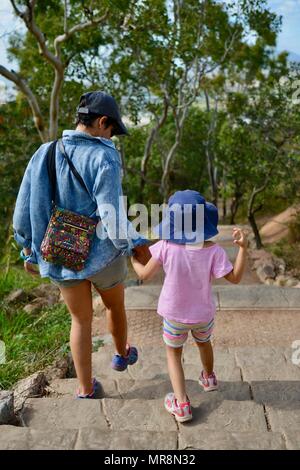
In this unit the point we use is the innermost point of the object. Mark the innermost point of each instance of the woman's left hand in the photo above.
(29, 268)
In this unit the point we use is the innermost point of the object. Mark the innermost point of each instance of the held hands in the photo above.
(240, 237)
(142, 254)
(29, 267)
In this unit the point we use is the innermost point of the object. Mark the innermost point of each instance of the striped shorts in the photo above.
(175, 334)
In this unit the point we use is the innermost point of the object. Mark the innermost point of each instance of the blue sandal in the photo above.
(96, 388)
(120, 363)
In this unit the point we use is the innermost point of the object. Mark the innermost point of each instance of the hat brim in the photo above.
(165, 231)
(121, 129)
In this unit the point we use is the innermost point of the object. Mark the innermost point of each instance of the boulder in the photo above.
(280, 265)
(281, 280)
(36, 305)
(31, 387)
(46, 291)
(7, 415)
(269, 270)
(265, 271)
(16, 296)
(292, 282)
(60, 369)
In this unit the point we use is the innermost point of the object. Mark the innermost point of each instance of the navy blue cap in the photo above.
(98, 102)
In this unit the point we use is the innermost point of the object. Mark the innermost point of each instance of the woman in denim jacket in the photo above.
(97, 161)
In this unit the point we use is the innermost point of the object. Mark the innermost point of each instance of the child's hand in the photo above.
(142, 254)
(240, 237)
(133, 260)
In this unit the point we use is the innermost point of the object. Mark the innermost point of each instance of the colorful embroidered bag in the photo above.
(69, 235)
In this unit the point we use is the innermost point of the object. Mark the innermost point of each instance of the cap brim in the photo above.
(121, 129)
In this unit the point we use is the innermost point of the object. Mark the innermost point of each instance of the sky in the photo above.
(289, 38)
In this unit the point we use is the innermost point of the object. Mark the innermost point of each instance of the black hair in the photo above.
(89, 119)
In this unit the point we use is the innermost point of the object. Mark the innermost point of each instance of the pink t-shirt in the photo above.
(186, 295)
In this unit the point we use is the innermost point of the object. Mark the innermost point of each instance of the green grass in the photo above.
(32, 341)
(17, 278)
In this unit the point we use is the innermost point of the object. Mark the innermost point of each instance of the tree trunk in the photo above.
(252, 212)
(54, 103)
(233, 210)
(254, 227)
(235, 204)
(212, 171)
(224, 207)
(148, 147)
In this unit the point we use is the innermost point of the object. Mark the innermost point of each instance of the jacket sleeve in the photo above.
(21, 217)
(108, 194)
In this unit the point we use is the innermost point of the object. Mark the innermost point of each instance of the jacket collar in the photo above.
(71, 134)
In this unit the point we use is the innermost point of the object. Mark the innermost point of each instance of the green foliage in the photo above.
(31, 342)
(17, 278)
(140, 54)
(18, 141)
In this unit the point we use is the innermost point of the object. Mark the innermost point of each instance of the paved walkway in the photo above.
(257, 406)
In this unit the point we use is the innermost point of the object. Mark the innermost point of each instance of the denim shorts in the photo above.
(110, 276)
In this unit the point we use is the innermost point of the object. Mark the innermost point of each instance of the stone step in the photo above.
(211, 411)
(257, 405)
(227, 297)
(90, 438)
(84, 438)
(247, 363)
(154, 389)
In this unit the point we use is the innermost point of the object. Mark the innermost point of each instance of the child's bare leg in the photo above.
(176, 373)
(207, 356)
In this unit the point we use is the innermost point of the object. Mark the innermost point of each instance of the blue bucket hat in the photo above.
(188, 218)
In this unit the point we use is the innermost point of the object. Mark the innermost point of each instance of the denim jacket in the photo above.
(98, 163)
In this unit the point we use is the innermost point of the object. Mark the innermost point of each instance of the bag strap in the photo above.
(73, 169)
(51, 167)
(50, 158)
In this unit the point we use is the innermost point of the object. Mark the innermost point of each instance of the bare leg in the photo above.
(78, 299)
(113, 300)
(207, 357)
(176, 373)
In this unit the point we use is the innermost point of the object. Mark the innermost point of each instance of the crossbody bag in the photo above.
(68, 238)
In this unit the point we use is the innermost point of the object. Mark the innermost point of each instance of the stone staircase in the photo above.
(257, 406)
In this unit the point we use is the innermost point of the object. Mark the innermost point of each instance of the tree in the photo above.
(261, 143)
(57, 47)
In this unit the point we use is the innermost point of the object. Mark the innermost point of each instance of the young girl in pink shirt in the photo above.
(186, 302)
